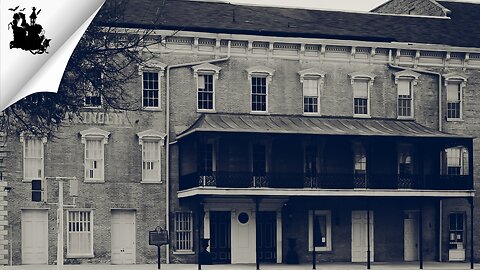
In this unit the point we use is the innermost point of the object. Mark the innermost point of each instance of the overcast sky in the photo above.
(355, 5)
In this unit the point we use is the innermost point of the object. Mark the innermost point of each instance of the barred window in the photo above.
(259, 94)
(205, 92)
(405, 98)
(360, 97)
(33, 158)
(183, 231)
(80, 233)
(151, 90)
(310, 95)
(454, 100)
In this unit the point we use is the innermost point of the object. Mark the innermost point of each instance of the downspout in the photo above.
(440, 119)
(167, 129)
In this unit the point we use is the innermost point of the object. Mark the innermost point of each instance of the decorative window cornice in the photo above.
(206, 67)
(152, 65)
(311, 72)
(261, 71)
(407, 74)
(94, 133)
(455, 77)
(24, 135)
(361, 76)
(151, 134)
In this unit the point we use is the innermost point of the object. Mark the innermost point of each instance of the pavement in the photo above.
(320, 266)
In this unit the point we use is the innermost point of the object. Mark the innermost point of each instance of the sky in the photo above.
(351, 5)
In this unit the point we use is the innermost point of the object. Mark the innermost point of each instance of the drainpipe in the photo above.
(440, 119)
(167, 129)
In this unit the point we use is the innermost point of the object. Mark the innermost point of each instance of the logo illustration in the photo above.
(28, 37)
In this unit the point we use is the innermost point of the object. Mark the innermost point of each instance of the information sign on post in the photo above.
(158, 237)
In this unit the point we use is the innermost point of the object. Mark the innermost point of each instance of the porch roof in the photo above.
(296, 124)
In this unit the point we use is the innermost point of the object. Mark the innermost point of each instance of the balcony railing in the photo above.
(326, 181)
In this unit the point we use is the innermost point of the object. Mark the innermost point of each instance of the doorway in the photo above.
(123, 237)
(267, 236)
(360, 236)
(410, 234)
(220, 239)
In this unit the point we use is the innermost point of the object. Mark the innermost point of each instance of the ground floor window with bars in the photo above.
(183, 231)
(80, 234)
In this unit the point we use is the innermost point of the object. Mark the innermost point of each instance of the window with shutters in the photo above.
(183, 231)
(79, 234)
(320, 230)
(152, 142)
(94, 140)
(33, 158)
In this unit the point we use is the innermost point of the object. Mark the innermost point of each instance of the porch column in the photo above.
(279, 237)
(368, 234)
(472, 253)
(199, 229)
(206, 226)
(314, 255)
(420, 234)
(257, 259)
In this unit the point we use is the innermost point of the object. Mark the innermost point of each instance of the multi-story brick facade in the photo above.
(287, 131)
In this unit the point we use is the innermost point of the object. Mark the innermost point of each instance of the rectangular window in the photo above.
(360, 97)
(259, 160)
(457, 161)
(151, 90)
(360, 168)
(33, 159)
(151, 161)
(183, 231)
(93, 100)
(205, 159)
(405, 98)
(94, 157)
(205, 92)
(320, 230)
(456, 237)
(79, 233)
(454, 100)
(310, 96)
(259, 94)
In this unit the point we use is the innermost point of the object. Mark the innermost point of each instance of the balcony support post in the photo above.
(368, 235)
(257, 258)
(199, 229)
(420, 233)
(472, 253)
(314, 254)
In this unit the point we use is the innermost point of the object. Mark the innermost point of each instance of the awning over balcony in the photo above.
(281, 124)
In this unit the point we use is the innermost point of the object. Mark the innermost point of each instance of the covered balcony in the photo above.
(296, 155)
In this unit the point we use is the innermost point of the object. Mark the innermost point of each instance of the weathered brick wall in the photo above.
(64, 156)
(413, 7)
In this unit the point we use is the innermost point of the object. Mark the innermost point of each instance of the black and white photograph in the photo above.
(240, 135)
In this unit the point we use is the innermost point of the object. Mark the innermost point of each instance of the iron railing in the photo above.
(225, 179)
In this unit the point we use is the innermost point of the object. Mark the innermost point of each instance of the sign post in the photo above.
(158, 237)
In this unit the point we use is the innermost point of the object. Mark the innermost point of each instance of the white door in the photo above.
(359, 236)
(410, 232)
(243, 236)
(34, 236)
(123, 237)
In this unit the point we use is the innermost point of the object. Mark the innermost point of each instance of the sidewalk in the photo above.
(329, 266)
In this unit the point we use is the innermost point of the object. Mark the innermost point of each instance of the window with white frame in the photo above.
(405, 81)
(457, 230)
(94, 157)
(151, 89)
(152, 142)
(33, 158)
(457, 161)
(183, 231)
(312, 80)
(206, 75)
(310, 95)
(360, 166)
(260, 78)
(320, 230)
(454, 84)
(205, 94)
(93, 99)
(361, 84)
(79, 233)
(454, 100)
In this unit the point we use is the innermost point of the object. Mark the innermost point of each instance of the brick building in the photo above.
(287, 131)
